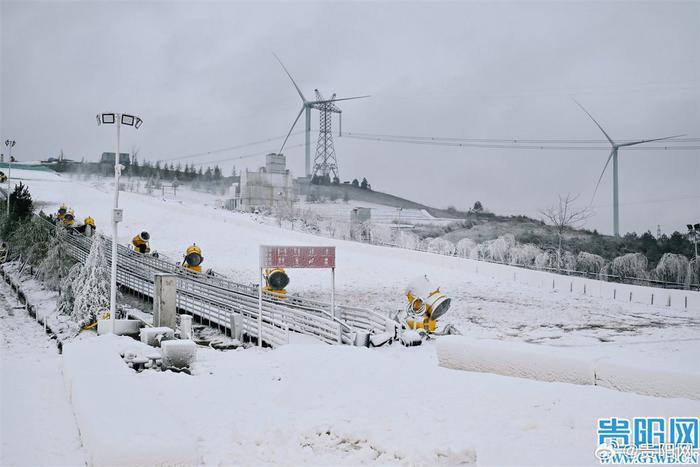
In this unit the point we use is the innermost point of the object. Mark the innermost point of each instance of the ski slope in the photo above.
(372, 276)
(342, 405)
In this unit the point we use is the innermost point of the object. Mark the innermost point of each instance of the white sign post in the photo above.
(289, 257)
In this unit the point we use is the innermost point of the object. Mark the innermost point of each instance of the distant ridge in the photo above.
(368, 196)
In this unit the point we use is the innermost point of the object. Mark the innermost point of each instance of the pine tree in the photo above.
(66, 299)
(92, 286)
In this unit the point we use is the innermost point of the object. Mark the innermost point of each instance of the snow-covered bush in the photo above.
(480, 251)
(406, 239)
(465, 246)
(92, 286)
(545, 260)
(590, 263)
(568, 261)
(441, 246)
(381, 233)
(672, 268)
(631, 265)
(524, 255)
(499, 249)
(57, 263)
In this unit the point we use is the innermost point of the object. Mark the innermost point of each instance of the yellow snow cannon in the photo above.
(425, 305)
(193, 258)
(69, 218)
(140, 243)
(62, 210)
(88, 227)
(276, 279)
(3, 177)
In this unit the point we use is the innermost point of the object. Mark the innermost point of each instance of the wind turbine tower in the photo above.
(613, 155)
(326, 107)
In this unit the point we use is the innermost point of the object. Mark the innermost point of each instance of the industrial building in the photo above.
(268, 188)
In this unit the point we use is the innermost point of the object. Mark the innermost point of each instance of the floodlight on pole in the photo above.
(10, 144)
(109, 118)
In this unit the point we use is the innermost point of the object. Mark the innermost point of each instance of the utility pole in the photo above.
(10, 144)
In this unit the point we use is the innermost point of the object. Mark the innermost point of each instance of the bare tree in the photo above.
(565, 216)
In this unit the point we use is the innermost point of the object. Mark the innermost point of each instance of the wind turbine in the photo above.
(306, 106)
(613, 155)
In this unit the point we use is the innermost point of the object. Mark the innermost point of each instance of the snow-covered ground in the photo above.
(37, 425)
(330, 405)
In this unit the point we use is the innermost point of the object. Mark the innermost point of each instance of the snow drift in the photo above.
(513, 359)
(555, 364)
(106, 394)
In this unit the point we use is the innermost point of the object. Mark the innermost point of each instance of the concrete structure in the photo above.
(164, 302)
(268, 188)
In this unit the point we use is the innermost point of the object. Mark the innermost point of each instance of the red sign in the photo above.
(297, 256)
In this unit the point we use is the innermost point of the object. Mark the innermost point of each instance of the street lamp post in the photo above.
(118, 120)
(694, 230)
(10, 144)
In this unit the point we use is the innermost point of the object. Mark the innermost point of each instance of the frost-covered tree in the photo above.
(631, 265)
(568, 261)
(92, 285)
(406, 239)
(465, 246)
(441, 246)
(499, 249)
(589, 263)
(30, 238)
(672, 268)
(57, 263)
(524, 255)
(544, 260)
(66, 299)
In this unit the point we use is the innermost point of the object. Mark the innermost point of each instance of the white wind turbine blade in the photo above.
(292, 128)
(602, 173)
(340, 99)
(632, 143)
(290, 77)
(594, 121)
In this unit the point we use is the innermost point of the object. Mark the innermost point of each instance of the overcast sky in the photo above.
(202, 76)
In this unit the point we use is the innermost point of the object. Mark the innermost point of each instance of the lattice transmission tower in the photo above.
(325, 162)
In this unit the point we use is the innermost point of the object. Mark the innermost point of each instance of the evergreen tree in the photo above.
(364, 184)
(21, 206)
(66, 299)
(92, 286)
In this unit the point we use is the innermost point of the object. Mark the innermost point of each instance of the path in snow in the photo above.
(37, 425)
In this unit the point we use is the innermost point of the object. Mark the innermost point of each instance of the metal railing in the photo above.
(217, 299)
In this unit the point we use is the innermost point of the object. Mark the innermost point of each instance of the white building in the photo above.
(269, 187)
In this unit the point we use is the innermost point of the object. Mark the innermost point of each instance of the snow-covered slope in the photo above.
(333, 405)
(375, 276)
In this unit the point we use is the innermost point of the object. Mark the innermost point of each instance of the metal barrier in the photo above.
(217, 298)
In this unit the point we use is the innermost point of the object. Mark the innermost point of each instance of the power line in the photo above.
(650, 201)
(229, 148)
(457, 143)
(507, 140)
(245, 156)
